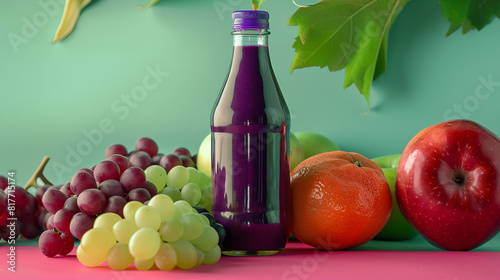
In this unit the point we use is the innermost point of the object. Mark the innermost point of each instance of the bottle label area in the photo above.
(250, 176)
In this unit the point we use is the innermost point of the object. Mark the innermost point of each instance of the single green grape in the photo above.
(206, 221)
(164, 204)
(130, 208)
(193, 226)
(119, 257)
(144, 265)
(124, 229)
(178, 176)
(144, 244)
(207, 240)
(203, 180)
(206, 198)
(194, 176)
(87, 259)
(166, 258)
(172, 192)
(97, 241)
(171, 230)
(191, 193)
(187, 256)
(107, 220)
(212, 256)
(157, 175)
(148, 216)
(182, 207)
(200, 255)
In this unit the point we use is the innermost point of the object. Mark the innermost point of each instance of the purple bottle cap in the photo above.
(250, 20)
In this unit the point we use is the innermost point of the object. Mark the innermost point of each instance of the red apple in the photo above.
(448, 184)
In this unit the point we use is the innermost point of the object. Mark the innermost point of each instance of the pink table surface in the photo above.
(414, 259)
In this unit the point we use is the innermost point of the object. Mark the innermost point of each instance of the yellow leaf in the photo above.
(72, 10)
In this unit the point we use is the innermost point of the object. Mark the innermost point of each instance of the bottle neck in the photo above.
(250, 37)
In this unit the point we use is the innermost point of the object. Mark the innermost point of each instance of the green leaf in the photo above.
(256, 4)
(469, 14)
(350, 34)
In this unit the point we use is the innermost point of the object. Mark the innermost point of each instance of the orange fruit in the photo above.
(338, 200)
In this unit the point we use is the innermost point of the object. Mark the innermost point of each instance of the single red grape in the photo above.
(132, 178)
(140, 159)
(50, 243)
(116, 149)
(138, 194)
(62, 219)
(91, 201)
(186, 161)
(115, 204)
(107, 170)
(122, 162)
(182, 151)
(80, 224)
(82, 181)
(53, 200)
(67, 244)
(169, 161)
(151, 188)
(111, 188)
(147, 145)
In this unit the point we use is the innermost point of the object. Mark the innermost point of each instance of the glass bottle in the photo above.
(250, 125)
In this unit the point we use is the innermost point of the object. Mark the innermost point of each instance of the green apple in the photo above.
(314, 143)
(296, 152)
(397, 228)
(204, 157)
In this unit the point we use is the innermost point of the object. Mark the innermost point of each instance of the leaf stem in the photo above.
(151, 3)
(300, 6)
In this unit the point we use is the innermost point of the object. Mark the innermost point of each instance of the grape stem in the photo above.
(38, 174)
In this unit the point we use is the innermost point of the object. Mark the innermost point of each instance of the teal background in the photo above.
(52, 95)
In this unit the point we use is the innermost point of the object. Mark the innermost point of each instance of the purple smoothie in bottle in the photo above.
(250, 145)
